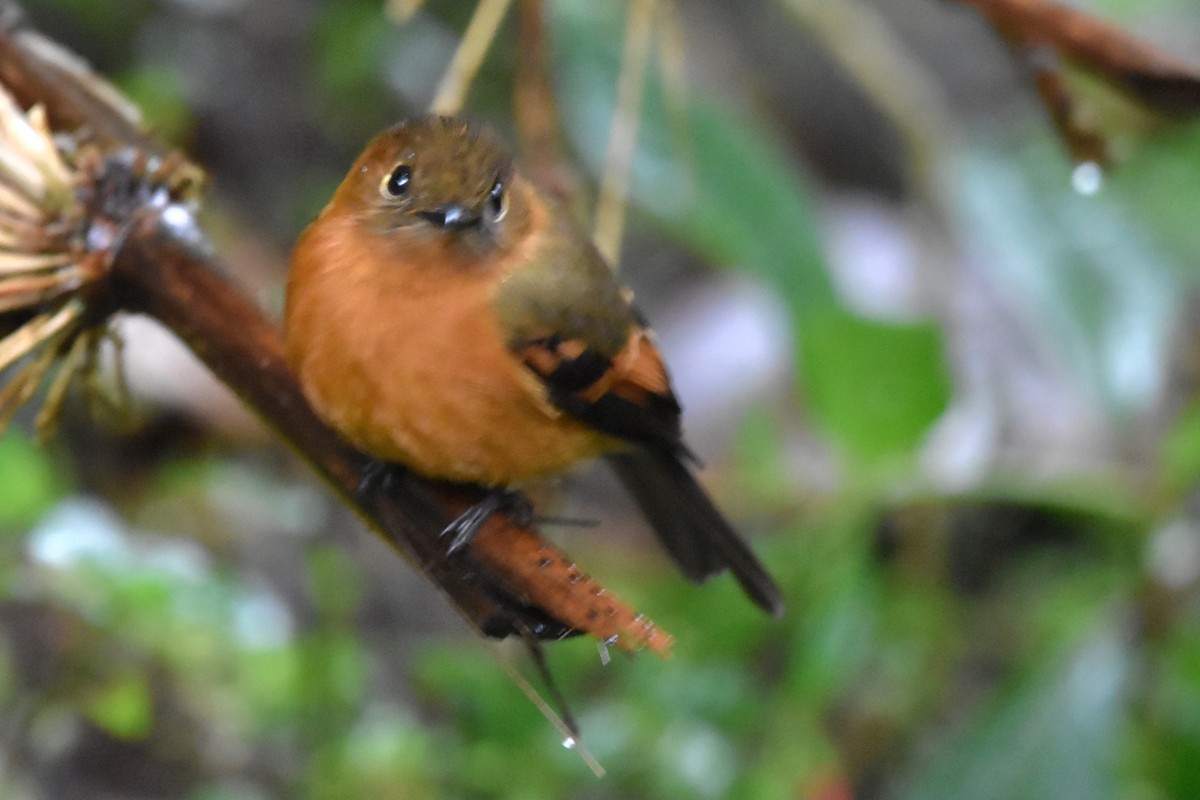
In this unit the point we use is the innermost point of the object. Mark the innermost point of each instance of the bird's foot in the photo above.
(376, 476)
(462, 530)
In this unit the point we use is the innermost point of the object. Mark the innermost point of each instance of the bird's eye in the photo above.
(497, 200)
(397, 183)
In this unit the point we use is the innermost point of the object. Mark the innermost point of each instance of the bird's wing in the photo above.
(618, 384)
(627, 395)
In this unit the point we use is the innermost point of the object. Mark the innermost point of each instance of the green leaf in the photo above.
(29, 483)
(1057, 734)
(1079, 275)
(1157, 188)
(723, 184)
(335, 583)
(124, 708)
(875, 387)
(349, 74)
(159, 92)
(1181, 449)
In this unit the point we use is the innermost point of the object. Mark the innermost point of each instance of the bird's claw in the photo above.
(376, 476)
(463, 529)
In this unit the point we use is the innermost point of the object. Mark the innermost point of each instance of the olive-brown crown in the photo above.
(435, 170)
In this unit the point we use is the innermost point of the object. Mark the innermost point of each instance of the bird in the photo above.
(442, 312)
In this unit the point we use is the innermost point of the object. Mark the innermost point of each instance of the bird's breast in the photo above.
(410, 365)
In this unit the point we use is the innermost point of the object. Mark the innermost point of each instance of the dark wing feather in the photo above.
(694, 532)
(626, 396)
(629, 396)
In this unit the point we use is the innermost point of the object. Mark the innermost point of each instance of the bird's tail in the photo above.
(694, 532)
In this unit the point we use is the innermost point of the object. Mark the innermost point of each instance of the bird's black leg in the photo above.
(463, 529)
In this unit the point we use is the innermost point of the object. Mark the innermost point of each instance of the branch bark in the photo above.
(506, 581)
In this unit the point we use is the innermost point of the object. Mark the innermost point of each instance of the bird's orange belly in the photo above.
(437, 390)
(479, 431)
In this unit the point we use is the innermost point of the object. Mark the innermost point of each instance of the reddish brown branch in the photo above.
(506, 581)
(1050, 35)
(1152, 76)
(36, 70)
(166, 272)
(535, 110)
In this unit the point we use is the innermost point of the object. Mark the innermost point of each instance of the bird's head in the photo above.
(435, 178)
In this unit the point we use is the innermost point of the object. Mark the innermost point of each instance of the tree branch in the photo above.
(134, 228)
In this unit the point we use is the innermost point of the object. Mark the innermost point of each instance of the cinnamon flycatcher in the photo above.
(443, 313)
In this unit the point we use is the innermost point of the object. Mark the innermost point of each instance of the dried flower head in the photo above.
(62, 204)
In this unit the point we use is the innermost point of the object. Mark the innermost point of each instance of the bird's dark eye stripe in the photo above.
(397, 182)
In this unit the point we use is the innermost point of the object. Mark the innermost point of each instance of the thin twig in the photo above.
(48, 415)
(401, 11)
(476, 41)
(622, 137)
(893, 77)
(535, 111)
(37, 331)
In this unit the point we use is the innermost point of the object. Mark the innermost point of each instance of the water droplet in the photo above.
(569, 742)
(1087, 178)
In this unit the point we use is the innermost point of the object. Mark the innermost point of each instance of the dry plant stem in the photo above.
(1082, 140)
(672, 69)
(46, 422)
(535, 111)
(477, 39)
(44, 327)
(897, 82)
(38, 71)
(400, 11)
(1153, 77)
(609, 226)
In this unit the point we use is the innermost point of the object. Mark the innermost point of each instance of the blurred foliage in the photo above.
(218, 630)
(718, 185)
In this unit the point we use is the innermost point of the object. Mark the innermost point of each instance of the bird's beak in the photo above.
(452, 217)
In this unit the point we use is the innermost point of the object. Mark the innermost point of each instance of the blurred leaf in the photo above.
(335, 583)
(1083, 279)
(760, 465)
(726, 187)
(7, 677)
(268, 685)
(228, 792)
(159, 92)
(332, 679)
(352, 38)
(124, 707)
(1169, 735)
(29, 481)
(107, 21)
(467, 679)
(391, 755)
(1157, 187)
(1054, 735)
(876, 387)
